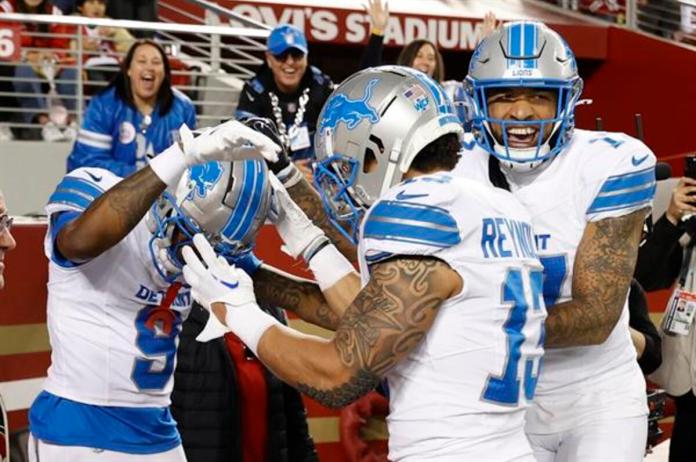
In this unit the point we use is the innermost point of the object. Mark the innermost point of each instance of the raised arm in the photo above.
(109, 218)
(390, 316)
(304, 297)
(602, 272)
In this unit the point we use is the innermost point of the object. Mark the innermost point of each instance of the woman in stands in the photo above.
(134, 117)
(42, 69)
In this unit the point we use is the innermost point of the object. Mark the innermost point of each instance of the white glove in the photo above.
(300, 235)
(228, 141)
(219, 282)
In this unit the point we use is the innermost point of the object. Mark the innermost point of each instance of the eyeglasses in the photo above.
(294, 52)
(5, 223)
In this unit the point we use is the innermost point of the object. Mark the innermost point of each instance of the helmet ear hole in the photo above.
(370, 161)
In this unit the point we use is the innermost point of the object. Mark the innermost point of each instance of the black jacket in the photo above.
(639, 319)
(255, 100)
(660, 254)
(204, 403)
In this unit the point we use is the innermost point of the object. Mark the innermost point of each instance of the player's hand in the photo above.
(379, 15)
(300, 235)
(268, 127)
(212, 279)
(228, 141)
(683, 200)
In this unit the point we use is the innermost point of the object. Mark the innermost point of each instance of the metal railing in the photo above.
(209, 64)
(669, 19)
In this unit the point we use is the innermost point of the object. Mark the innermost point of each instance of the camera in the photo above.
(690, 166)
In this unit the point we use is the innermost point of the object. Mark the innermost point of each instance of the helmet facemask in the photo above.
(530, 56)
(369, 131)
(227, 202)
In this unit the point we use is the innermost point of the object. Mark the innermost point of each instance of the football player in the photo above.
(451, 311)
(588, 193)
(114, 308)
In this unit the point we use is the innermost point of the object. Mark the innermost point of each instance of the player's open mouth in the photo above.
(522, 137)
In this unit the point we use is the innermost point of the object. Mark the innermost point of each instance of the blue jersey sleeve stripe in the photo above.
(629, 180)
(370, 259)
(58, 222)
(410, 233)
(625, 200)
(81, 186)
(70, 198)
(413, 212)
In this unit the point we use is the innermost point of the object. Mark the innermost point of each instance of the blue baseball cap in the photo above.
(283, 37)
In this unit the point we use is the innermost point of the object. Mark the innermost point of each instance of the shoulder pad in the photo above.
(79, 188)
(416, 212)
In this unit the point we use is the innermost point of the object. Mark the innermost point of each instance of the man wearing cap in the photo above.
(288, 91)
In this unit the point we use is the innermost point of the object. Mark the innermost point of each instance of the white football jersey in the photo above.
(461, 393)
(598, 175)
(111, 344)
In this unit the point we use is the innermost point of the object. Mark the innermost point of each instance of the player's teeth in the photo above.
(521, 131)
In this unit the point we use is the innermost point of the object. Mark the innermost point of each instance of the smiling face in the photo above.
(425, 59)
(288, 69)
(93, 9)
(7, 241)
(525, 105)
(146, 73)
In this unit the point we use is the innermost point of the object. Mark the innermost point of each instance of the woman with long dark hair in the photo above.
(135, 116)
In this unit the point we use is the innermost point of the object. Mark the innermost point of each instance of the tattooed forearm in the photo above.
(297, 295)
(602, 273)
(309, 201)
(111, 216)
(389, 318)
(362, 382)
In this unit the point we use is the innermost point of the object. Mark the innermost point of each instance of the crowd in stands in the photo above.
(136, 116)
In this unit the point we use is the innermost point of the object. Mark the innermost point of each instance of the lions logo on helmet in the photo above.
(370, 130)
(228, 202)
(523, 55)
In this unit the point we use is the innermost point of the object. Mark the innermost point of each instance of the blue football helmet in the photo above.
(529, 55)
(380, 117)
(226, 201)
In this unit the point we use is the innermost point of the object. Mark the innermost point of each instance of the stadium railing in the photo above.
(209, 62)
(669, 19)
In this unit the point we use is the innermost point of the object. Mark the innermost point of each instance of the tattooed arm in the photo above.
(304, 298)
(110, 217)
(390, 316)
(602, 272)
(309, 201)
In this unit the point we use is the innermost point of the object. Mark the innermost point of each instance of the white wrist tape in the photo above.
(290, 176)
(169, 165)
(249, 322)
(329, 266)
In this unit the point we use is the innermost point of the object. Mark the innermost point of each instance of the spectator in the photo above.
(288, 91)
(659, 17)
(229, 407)
(7, 241)
(134, 117)
(45, 73)
(140, 10)
(101, 46)
(659, 266)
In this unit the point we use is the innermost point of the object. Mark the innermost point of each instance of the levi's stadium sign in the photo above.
(334, 25)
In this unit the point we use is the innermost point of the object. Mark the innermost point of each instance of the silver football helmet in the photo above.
(226, 201)
(530, 55)
(369, 131)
